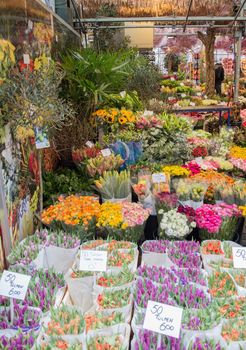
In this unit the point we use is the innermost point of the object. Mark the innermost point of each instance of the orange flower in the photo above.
(73, 210)
(61, 344)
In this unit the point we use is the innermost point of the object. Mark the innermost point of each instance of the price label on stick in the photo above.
(26, 58)
(158, 177)
(163, 318)
(14, 285)
(239, 257)
(89, 144)
(93, 260)
(106, 152)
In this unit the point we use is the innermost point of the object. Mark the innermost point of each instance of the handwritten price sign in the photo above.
(14, 285)
(239, 257)
(162, 318)
(93, 260)
(106, 152)
(158, 178)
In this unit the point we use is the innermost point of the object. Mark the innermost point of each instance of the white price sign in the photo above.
(93, 260)
(170, 98)
(89, 144)
(159, 177)
(192, 104)
(14, 285)
(26, 58)
(106, 152)
(239, 257)
(183, 95)
(162, 318)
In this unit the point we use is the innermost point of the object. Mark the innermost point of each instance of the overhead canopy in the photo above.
(150, 8)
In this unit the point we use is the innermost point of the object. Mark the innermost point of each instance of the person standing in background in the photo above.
(219, 77)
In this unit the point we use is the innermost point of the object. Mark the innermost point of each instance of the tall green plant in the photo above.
(91, 76)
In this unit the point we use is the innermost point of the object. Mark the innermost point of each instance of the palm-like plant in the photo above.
(90, 76)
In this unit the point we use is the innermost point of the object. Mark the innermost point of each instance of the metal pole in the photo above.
(237, 64)
(239, 12)
(238, 36)
(161, 19)
(4, 218)
(188, 13)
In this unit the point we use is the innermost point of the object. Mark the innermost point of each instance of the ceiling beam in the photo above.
(161, 19)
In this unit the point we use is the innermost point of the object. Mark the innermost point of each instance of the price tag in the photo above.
(106, 152)
(26, 58)
(170, 98)
(239, 257)
(199, 94)
(183, 95)
(14, 285)
(172, 79)
(162, 318)
(93, 260)
(30, 24)
(192, 104)
(159, 177)
(181, 84)
(89, 144)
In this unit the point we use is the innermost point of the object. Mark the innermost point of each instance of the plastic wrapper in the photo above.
(61, 259)
(80, 291)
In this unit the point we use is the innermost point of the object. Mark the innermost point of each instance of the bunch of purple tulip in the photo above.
(190, 275)
(184, 260)
(24, 317)
(19, 342)
(157, 274)
(208, 344)
(186, 247)
(63, 240)
(155, 246)
(147, 290)
(149, 340)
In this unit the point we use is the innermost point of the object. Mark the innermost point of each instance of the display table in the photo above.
(205, 109)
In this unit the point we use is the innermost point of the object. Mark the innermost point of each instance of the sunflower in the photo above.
(131, 118)
(110, 118)
(122, 120)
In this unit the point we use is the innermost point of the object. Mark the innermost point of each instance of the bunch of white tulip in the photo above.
(174, 224)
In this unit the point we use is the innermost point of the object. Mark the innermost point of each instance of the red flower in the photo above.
(244, 124)
(23, 65)
(200, 151)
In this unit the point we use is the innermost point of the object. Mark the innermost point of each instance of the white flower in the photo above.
(193, 224)
(161, 211)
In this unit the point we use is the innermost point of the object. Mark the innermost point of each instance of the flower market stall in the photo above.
(122, 195)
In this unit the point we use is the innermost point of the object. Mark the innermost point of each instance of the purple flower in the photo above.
(155, 246)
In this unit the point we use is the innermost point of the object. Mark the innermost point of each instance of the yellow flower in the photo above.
(238, 152)
(1, 55)
(175, 170)
(110, 119)
(243, 209)
(122, 120)
(131, 118)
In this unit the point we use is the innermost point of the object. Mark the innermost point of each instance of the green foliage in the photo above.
(144, 79)
(173, 124)
(167, 144)
(64, 181)
(91, 76)
(106, 39)
(32, 99)
(127, 100)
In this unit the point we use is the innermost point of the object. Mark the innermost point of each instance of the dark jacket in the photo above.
(219, 74)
